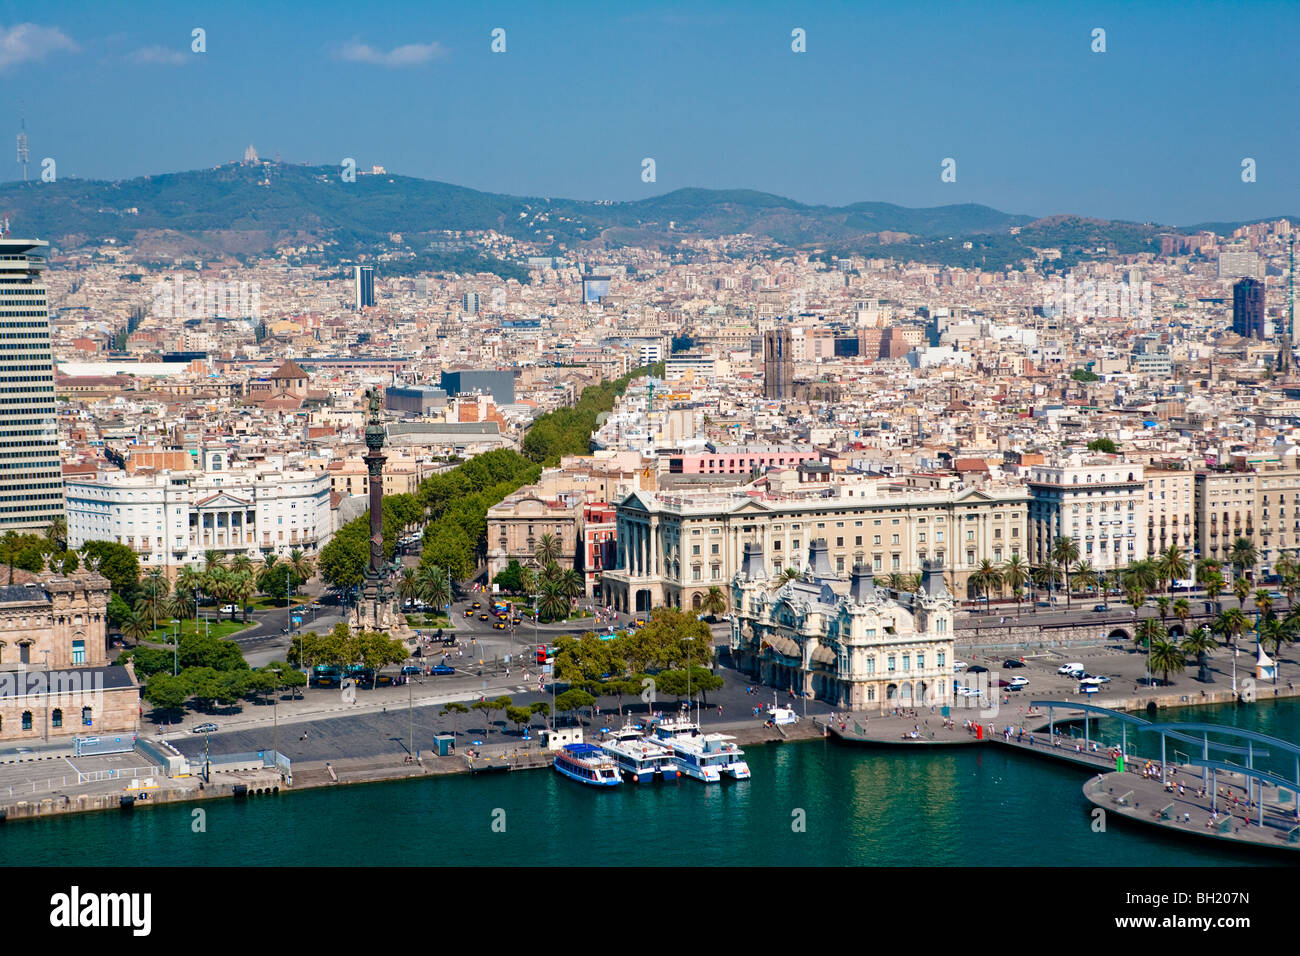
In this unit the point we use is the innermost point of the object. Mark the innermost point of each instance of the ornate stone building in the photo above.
(845, 641)
(55, 678)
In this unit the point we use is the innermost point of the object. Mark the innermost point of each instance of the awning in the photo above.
(783, 645)
(823, 655)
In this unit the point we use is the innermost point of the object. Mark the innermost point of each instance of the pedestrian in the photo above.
(719, 710)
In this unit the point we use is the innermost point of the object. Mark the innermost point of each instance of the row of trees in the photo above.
(669, 657)
(342, 647)
(210, 671)
(1148, 575)
(452, 506)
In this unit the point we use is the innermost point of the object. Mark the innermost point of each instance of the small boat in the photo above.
(587, 763)
(639, 757)
(708, 757)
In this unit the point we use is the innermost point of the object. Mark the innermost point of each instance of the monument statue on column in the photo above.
(378, 609)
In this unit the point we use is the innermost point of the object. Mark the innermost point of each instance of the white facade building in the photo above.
(1101, 504)
(170, 518)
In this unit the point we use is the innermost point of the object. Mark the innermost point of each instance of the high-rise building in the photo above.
(778, 364)
(365, 291)
(469, 303)
(31, 476)
(1248, 308)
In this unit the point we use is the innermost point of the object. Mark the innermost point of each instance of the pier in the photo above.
(1198, 791)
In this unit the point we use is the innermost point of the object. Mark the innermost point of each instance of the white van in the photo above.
(1072, 670)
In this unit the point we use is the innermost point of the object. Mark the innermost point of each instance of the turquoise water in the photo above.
(970, 806)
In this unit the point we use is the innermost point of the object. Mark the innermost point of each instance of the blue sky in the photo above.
(1153, 129)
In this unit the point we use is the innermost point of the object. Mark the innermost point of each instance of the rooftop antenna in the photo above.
(22, 147)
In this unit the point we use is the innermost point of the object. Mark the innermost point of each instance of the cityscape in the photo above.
(863, 526)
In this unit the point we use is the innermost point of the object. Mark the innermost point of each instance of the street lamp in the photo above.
(176, 643)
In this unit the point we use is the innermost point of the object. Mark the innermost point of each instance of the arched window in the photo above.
(56, 718)
(86, 716)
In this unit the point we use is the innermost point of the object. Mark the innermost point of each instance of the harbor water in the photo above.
(809, 803)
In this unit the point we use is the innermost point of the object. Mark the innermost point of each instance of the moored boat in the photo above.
(708, 757)
(587, 763)
(638, 757)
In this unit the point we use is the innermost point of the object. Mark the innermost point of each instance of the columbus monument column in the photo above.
(377, 611)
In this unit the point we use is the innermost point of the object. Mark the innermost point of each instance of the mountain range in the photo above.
(254, 209)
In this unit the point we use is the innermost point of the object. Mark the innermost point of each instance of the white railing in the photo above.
(51, 784)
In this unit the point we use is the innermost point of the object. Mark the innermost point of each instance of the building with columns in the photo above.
(170, 518)
(671, 548)
(843, 640)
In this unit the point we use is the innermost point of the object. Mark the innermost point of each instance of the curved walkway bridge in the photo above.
(1200, 779)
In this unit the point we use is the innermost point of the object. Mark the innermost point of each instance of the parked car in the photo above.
(1018, 681)
(227, 609)
(958, 666)
(1094, 679)
(968, 692)
(1011, 662)
(442, 669)
(205, 729)
(1069, 668)
(412, 669)
(977, 669)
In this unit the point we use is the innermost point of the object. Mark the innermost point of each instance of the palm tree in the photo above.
(1045, 576)
(158, 589)
(181, 604)
(435, 586)
(241, 563)
(212, 560)
(1167, 657)
(714, 602)
(1182, 611)
(1289, 572)
(985, 578)
(789, 574)
(549, 548)
(1015, 574)
(1274, 631)
(135, 625)
(1065, 551)
(1149, 630)
(1200, 643)
(554, 603)
(302, 567)
(1162, 606)
(57, 533)
(1213, 583)
(1085, 575)
(895, 581)
(1172, 564)
(1243, 556)
(1241, 589)
(1230, 625)
(572, 584)
(1142, 574)
(408, 584)
(1263, 601)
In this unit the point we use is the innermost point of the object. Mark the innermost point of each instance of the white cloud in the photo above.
(412, 54)
(28, 41)
(157, 54)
